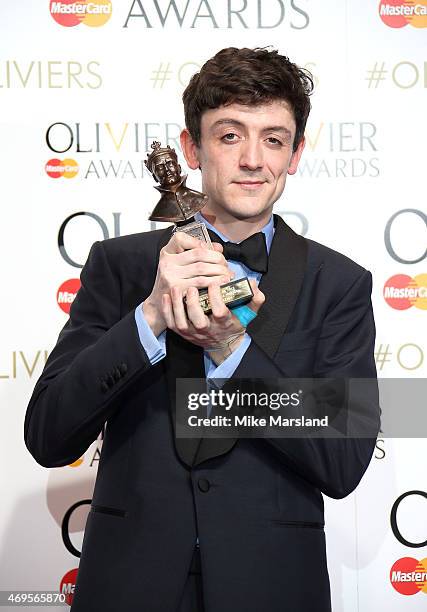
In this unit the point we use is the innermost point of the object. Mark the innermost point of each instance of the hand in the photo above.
(207, 331)
(184, 262)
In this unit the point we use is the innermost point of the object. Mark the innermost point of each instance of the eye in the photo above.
(226, 137)
(276, 141)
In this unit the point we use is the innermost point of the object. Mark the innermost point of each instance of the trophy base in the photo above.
(235, 293)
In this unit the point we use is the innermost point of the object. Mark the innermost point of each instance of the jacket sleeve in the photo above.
(345, 352)
(97, 356)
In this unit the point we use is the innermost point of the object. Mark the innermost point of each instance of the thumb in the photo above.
(217, 247)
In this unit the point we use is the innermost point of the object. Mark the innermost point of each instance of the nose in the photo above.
(251, 155)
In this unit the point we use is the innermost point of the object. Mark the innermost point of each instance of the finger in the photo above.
(214, 280)
(218, 247)
(181, 321)
(203, 269)
(180, 242)
(199, 254)
(195, 312)
(201, 282)
(220, 313)
(167, 312)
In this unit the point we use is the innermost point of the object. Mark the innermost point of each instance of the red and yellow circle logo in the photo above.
(409, 576)
(402, 291)
(399, 13)
(69, 13)
(77, 462)
(68, 585)
(66, 294)
(67, 168)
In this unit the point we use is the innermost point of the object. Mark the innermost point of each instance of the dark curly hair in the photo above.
(249, 77)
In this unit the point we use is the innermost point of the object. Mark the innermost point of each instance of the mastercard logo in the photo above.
(402, 291)
(409, 576)
(69, 13)
(77, 462)
(399, 13)
(67, 168)
(68, 585)
(66, 294)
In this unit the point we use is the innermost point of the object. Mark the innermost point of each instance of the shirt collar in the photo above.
(267, 230)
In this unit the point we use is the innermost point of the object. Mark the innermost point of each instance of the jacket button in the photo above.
(123, 369)
(204, 485)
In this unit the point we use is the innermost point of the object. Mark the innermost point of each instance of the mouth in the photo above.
(250, 185)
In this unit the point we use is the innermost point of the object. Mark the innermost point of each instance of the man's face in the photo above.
(245, 155)
(166, 170)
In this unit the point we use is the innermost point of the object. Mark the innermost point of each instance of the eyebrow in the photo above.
(160, 162)
(272, 128)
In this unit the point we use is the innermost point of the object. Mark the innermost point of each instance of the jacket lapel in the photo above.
(281, 285)
(183, 360)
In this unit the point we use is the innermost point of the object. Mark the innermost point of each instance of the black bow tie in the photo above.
(252, 252)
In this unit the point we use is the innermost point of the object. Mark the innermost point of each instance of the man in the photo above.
(247, 513)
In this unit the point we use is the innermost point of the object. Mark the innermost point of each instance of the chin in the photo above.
(245, 214)
(247, 209)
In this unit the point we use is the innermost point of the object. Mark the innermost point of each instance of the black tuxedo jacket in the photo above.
(256, 504)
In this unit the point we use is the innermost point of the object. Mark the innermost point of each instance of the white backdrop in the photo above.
(96, 95)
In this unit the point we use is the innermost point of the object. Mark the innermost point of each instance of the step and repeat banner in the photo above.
(85, 88)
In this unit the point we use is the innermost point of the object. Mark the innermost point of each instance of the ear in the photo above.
(189, 149)
(296, 156)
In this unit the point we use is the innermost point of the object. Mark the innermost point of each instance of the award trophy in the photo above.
(178, 204)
